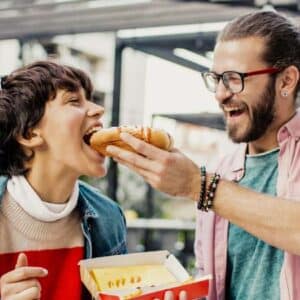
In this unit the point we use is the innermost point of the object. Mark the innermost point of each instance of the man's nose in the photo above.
(222, 92)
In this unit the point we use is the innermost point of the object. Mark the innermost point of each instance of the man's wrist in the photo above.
(206, 189)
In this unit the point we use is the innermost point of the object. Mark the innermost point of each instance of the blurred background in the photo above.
(145, 59)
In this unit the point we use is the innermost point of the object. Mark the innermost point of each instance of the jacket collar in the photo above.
(85, 208)
(3, 183)
(290, 128)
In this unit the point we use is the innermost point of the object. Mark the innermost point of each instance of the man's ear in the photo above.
(32, 140)
(288, 81)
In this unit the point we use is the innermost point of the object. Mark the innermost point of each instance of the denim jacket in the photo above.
(212, 230)
(103, 223)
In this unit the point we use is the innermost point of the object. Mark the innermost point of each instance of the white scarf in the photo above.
(21, 191)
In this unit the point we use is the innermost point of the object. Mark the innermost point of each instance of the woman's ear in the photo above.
(32, 140)
(289, 81)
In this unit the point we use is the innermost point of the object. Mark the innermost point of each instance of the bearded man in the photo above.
(248, 229)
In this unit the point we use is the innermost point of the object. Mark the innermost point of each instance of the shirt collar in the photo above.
(239, 158)
(290, 128)
(86, 210)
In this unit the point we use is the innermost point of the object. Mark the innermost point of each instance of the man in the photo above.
(249, 239)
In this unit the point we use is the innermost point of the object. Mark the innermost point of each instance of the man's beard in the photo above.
(263, 114)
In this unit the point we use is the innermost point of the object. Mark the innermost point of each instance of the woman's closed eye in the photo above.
(74, 101)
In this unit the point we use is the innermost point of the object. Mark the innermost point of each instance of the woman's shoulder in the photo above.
(96, 199)
(3, 183)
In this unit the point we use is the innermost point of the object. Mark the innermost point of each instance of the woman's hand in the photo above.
(170, 172)
(170, 296)
(22, 283)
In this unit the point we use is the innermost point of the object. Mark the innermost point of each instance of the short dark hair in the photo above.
(282, 37)
(23, 100)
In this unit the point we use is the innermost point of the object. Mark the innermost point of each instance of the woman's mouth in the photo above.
(89, 133)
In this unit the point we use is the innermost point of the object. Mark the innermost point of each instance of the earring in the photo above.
(284, 93)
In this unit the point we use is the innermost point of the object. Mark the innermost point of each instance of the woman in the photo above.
(49, 220)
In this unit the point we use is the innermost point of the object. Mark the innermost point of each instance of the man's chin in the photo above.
(238, 140)
(244, 138)
(236, 135)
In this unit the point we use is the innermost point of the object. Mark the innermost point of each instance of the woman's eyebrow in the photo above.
(70, 93)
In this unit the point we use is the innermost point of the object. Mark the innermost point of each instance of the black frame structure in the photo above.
(161, 46)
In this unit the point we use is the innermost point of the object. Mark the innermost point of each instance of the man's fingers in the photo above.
(22, 260)
(148, 176)
(142, 147)
(133, 159)
(132, 165)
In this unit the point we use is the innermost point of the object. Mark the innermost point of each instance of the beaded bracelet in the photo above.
(203, 188)
(209, 197)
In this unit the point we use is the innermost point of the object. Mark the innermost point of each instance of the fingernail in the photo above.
(169, 295)
(45, 271)
(183, 295)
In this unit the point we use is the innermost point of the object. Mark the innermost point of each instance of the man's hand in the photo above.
(22, 283)
(170, 172)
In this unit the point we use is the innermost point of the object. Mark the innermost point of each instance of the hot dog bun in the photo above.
(100, 139)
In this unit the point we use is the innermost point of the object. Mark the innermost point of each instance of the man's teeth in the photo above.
(232, 109)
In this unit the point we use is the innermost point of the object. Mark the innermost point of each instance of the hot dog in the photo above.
(100, 139)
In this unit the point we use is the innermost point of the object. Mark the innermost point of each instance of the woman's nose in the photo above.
(95, 110)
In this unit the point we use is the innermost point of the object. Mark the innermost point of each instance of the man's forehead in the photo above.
(238, 54)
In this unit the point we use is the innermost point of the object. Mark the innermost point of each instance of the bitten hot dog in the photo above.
(100, 139)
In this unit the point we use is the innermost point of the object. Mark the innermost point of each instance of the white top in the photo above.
(22, 192)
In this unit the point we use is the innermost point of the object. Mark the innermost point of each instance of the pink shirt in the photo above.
(212, 230)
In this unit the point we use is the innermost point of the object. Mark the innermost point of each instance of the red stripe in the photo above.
(63, 280)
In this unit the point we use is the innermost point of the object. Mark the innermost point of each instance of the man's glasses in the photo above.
(232, 80)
